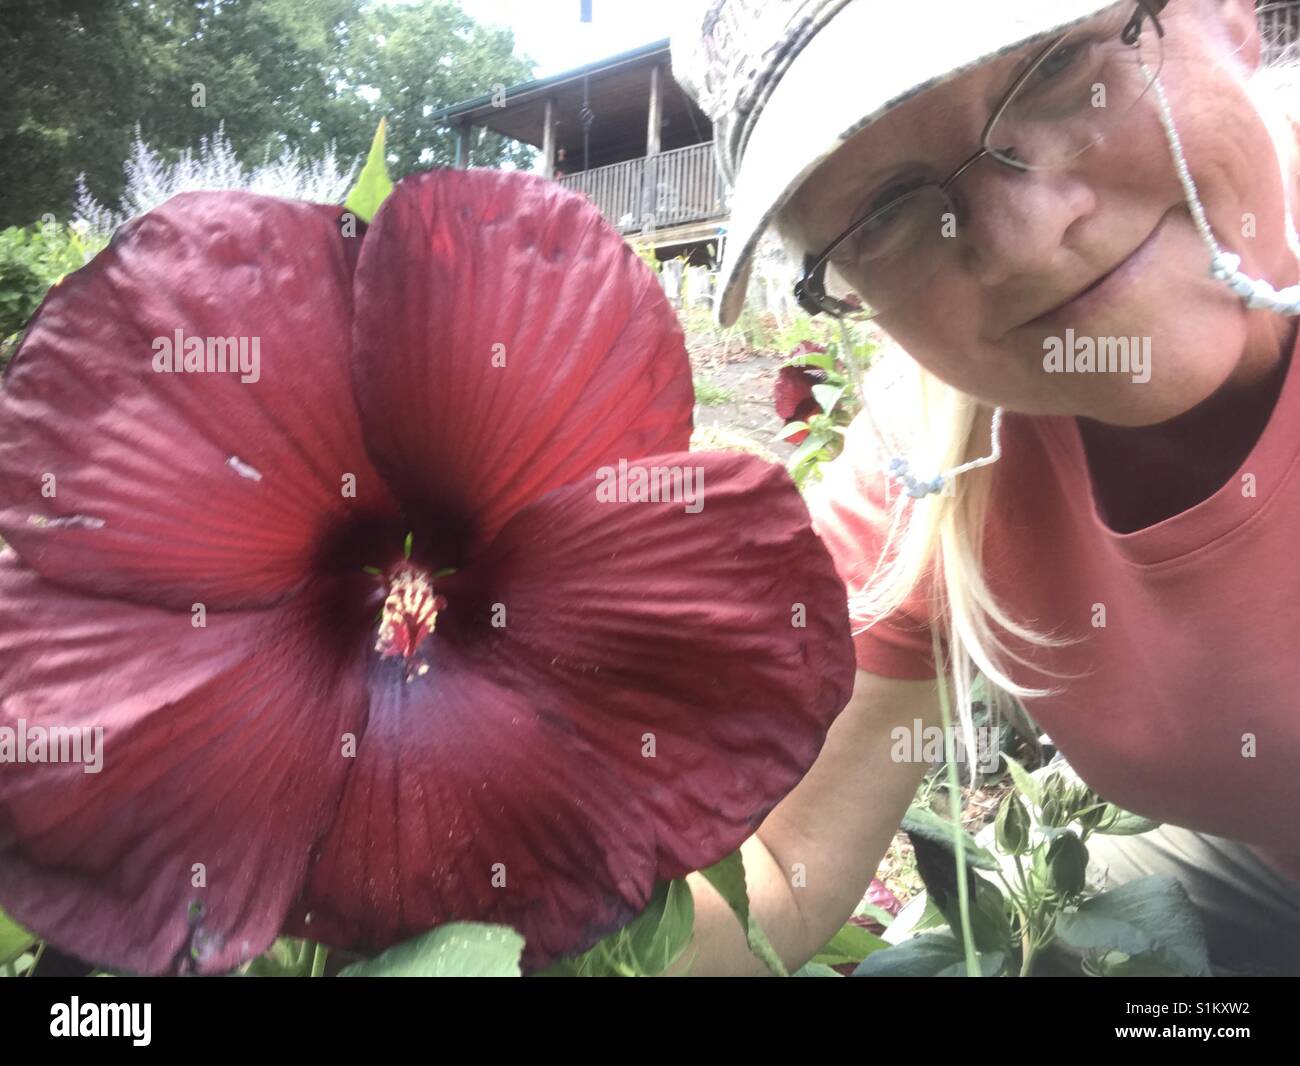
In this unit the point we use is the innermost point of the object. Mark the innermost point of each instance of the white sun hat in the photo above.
(786, 82)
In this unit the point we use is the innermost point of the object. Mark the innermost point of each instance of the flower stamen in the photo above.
(409, 615)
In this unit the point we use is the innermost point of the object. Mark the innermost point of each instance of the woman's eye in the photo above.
(883, 222)
(888, 195)
(1060, 61)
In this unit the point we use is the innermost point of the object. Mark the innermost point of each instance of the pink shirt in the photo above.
(1200, 651)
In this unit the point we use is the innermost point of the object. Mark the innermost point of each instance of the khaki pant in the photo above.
(1251, 912)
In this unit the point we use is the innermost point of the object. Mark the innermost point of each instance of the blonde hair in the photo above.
(939, 539)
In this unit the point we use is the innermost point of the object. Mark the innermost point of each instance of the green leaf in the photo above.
(870, 910)
(647, 946)
(827, 396)
(818, 359)
(287, 957)
(1118, 822)
(458, 949)
(790, 429)
(373, 184)
(931, 916)
(815, 969)
(925, 823)
(658, 936)
(990, 964)
(14, 939)
(928, 955)
(1023, 781)
(1149, 915)
(813, 443)
(851, 944)
(922, 956)
(728, 877)
(1117, 964)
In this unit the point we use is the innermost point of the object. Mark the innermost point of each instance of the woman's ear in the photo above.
(1241, 27)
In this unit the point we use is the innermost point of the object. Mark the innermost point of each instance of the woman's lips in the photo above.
(1107, 290)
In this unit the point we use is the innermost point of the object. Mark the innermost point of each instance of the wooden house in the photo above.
(625, 134)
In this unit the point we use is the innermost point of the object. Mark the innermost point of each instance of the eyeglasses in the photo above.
(1075, 93)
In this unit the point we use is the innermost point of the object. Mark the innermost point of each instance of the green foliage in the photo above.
(843, 363)
(458, 949)
(80, 75)
(728, 877)
(1151, 916)
(927, 825)
(32, 259)
(1037, 913)
(646, 947)
(851, 944)
(646, 253)
(14, 939)
(711, 394)
(287, 957)
(419, 57)
(928, 955)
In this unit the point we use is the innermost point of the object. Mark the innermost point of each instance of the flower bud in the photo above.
(1012, 827)
(1067, 859)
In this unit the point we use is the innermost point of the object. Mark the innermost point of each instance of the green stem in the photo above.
(1012, 894)
(318, 960)
(959, 842)
(1030, 950)
(40, 950)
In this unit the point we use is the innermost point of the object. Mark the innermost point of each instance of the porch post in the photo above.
(548, 139)
(649, 197)
(462, 147)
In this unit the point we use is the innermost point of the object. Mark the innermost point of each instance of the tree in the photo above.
(68, 99)
(78, 76)
(414, 60)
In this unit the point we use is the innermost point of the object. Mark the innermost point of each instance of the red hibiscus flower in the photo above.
(793, 396)
(374, 641)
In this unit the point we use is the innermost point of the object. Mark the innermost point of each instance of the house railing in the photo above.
(1279, 28)
(680, 185)
(688, 186)
(617, 190)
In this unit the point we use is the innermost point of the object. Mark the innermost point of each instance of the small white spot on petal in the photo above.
(243, 469)
(82, 521)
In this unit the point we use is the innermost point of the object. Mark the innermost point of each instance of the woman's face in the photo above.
(1007, 287)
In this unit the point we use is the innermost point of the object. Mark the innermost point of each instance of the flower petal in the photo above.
(718, 640)
(467, 801)
(792, 392)
(171, 488)
(507, 342)
(221, 746)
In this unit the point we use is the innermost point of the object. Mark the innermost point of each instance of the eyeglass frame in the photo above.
(810, 289)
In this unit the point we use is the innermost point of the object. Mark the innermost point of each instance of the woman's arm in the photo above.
(837, 823)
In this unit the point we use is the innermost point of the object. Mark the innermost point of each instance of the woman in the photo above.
(1095, 495)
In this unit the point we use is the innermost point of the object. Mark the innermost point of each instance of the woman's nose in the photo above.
(1013, 222)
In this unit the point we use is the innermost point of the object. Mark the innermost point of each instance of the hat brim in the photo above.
(823, 98)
